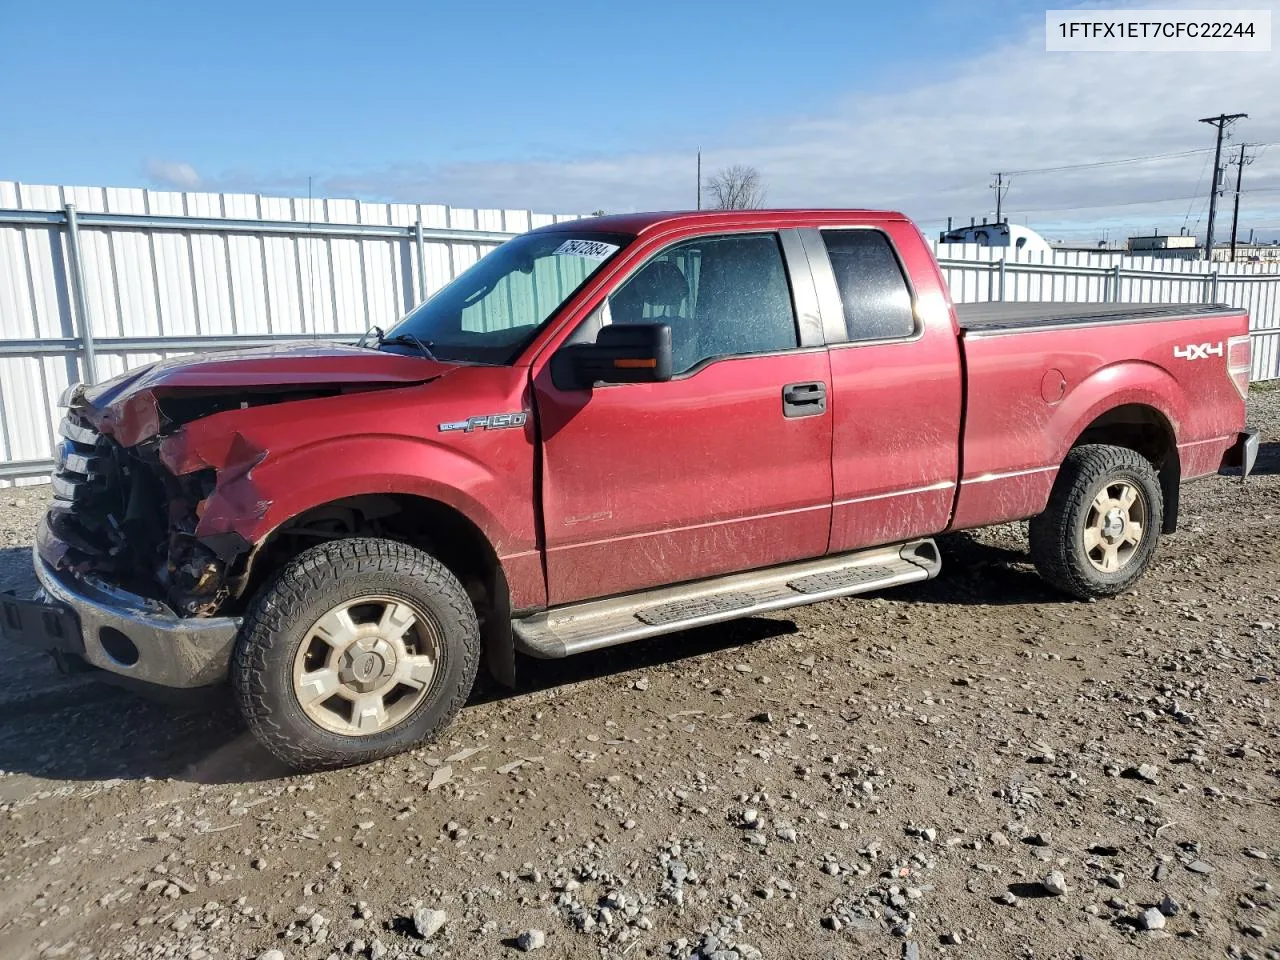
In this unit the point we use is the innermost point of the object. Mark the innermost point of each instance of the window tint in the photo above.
(491, 310)
(722, 296)
(877, 303)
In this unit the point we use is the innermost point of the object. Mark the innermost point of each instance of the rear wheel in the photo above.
(356, 650)
(1098, 534)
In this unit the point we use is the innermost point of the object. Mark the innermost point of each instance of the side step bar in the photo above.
(579, 627)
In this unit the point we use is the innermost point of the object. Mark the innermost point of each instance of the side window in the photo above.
(877, 301)
(722, 296)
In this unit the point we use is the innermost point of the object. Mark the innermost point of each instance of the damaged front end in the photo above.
(120, 514)
(153, 486)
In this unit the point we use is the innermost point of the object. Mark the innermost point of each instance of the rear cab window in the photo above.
(873, 288)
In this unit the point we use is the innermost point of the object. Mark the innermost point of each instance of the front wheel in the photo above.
(357, 649)
(1098, 534)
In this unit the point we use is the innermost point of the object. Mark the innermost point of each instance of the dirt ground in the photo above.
(972, 767)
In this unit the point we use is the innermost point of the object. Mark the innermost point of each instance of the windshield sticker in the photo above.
(591, 249)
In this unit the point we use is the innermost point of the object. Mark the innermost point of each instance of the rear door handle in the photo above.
(804, 399)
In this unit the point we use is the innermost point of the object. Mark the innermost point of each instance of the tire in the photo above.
(357, 616)
(1091, 553)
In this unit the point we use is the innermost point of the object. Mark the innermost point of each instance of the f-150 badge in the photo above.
(494, 421)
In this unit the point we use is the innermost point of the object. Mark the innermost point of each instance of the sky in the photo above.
(910, 105)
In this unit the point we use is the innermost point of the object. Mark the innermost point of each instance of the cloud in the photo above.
(172, 173)
(929, 148)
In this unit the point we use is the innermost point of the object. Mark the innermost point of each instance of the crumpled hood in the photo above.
(126, 406)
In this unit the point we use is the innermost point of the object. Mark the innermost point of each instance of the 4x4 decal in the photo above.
(1198, 351)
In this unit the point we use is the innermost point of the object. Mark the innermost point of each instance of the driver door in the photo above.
(712, 472)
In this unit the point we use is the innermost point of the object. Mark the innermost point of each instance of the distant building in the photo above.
(1075, 246)
(1003, 234)
(1173, 247)
(1248, 252)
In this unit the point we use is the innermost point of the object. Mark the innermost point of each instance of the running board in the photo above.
(580, 627)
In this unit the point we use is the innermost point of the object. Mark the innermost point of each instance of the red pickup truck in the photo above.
(606, 430)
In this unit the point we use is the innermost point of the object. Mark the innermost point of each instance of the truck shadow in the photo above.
(1268, 458)
(75, 728)
(975, 571)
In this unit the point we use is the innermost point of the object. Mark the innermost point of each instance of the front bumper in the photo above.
(1241, 455)
(130, 635)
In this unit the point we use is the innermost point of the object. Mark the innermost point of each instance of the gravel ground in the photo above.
(971, 767)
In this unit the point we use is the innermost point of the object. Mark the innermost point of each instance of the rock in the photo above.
(1254, 853)
(1169, 906)
(1008, 898)
(531, 940)
(427, 922)
(787, 833)
(641, 684)
(832, 922)
(1199, 866)
(271, 955)
(1147, 772)
(910, 951)
(930, 834)
(1054, 882)
(952, 939)
(1151, 919)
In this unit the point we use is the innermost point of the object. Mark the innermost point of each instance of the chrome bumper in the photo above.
(164, 649)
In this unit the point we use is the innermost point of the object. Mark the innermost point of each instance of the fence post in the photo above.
(991, 280)
(1115, 284)
(1213, 287)
(422, 261)
(80, 320)
(1002, 279)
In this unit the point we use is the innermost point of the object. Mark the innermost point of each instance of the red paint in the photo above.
(897, 409)
(645, 484)
(631, 486)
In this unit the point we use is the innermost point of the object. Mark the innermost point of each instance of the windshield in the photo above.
(492, 310)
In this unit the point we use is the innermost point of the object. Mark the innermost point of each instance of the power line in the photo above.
(1220, 122)
(1001, 187)
(1123, 160)
(1191, 202)
(1235, 213)
(1101, 206)
(1109, 163)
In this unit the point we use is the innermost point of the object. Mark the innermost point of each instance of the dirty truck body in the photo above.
(606, 430)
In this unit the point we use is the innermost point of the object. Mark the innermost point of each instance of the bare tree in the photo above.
(736, 188)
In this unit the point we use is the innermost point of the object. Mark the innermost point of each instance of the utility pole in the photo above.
(1001, 188)
(699, 179)
(1235, 213)
(1221, 121)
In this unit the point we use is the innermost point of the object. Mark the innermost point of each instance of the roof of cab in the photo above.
(637, 223)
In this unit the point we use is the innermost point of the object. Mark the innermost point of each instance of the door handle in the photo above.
(804, 399)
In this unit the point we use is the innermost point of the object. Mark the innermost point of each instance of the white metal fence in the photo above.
(95, 280)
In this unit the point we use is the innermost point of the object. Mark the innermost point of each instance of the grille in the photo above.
(107, 507)
(79, 465)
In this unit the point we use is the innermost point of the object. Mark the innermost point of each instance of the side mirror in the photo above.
(622, 353)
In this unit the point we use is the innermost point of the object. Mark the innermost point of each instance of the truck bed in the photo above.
(1002, 316)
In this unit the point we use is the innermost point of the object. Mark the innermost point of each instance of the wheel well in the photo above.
(429, 525)
(1148, 432)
